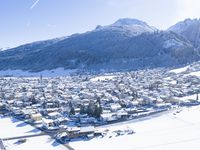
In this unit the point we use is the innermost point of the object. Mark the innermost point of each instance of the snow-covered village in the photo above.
(63, 112)
(99, 75)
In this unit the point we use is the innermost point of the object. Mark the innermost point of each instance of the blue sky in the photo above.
(24, 21)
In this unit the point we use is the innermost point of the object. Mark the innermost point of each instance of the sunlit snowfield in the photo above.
(169, 131)
(10, 127)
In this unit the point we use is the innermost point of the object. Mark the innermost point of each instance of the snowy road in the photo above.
(22, 137)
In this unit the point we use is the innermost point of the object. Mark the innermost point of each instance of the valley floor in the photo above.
(174, 130)
(13, 129)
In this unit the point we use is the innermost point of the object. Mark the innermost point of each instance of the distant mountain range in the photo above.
(125, 44)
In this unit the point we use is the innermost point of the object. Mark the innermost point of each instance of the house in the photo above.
(109, 117)
(36, 117)
(50, 124)
(87, 120)
(122, 115)
(76, 132)
(16, 111)
(26, 113)
(87, 130)
(115, 106)
(63, 120)
(54, 115)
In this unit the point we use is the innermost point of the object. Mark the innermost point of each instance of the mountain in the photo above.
(5, 48)
(132, 27)
(125, 44)
(189, 29)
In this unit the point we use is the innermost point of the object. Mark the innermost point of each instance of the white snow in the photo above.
(10, 127)
(33, 143)
(195, 73)
(102, 78)
(172, 43)
(48, 73)
(134, 24)
(169, 131)
(190, 97)
(182, 25)
(180, 70)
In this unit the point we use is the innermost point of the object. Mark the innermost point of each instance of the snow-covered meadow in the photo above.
(169, 131)
(11, 127)
(173, 130)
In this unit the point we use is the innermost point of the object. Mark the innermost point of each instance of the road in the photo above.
(23, 137)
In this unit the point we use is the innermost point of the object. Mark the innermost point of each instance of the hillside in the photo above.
(125, 44)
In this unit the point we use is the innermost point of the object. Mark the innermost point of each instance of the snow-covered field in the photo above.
(197, 73)
(34, 143)
(169, 131)
(10, 127)
(186, 98)
(179, 70)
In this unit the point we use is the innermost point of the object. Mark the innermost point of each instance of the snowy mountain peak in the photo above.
(129, 22)
(182, 25)
(130, 27)
(189, 29)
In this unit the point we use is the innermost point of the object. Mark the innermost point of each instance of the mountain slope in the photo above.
(126, 44)
(134, 26)
(190, 29)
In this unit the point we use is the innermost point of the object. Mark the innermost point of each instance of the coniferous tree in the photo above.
(82, 109)
(72, 111)
(197, 98)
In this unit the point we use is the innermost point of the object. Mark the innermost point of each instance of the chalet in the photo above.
(87, 130)
(16, 111)
(54, 115)
(109, 117)
(36, 117)
(26, 113)
(122, 115)
(115, 106)
(75, 132)
(50, 124)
